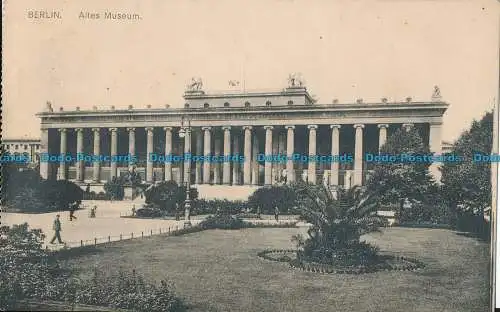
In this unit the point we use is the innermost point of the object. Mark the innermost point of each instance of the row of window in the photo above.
(247, 104)
(16, 146)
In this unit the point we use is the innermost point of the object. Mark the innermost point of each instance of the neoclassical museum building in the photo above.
(288, 126)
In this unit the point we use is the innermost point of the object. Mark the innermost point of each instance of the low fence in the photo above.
(172, 230)
(116, 238)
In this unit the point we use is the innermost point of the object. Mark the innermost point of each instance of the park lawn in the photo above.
(218, 270)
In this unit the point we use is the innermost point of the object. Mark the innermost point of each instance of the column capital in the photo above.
(226, 128)
(312, 127)
(289, 127)
(62, 129)
(167, 128)
(96, 129)
(247, 127)
(335, 126)
(131, 129)
(78, 129)
(359, 126)
(407, 126)
(113, 129)
(206, 128)
(268, 127)
(383, 126)
(149, 129)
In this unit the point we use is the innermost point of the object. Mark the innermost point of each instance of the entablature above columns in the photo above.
(337, 114)
(435, 120)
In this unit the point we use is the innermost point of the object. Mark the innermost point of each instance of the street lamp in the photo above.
(186, 134)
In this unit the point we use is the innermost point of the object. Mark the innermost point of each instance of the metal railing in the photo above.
(117, 238)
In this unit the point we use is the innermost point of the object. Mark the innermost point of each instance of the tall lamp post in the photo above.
(185, 133)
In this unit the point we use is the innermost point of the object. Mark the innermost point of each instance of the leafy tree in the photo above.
(266, 198)
(168, 195)
(467, 184)
(15, 180)
(400, 180)
(338, 221)
(61, 194)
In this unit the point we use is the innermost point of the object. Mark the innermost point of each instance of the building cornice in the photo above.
(354, 107)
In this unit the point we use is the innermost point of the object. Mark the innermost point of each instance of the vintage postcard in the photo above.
(277, 155)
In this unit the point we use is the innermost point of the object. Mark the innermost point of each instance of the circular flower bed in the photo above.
(386, 262)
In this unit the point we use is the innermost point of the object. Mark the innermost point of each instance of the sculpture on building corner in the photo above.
(437, 92)
(295, 80)
(196, 84)
(49, 107)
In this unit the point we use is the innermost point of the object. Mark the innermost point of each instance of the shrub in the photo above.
(214, 206)
(127, 291)
(425, 213)
(149, 213)
(265, 199)
(224, 222)
(28, 272)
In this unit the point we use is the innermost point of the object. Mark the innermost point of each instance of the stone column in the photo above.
(80, 164)
(247, 174)
(290, 148)
(199, 151)
(97, 152)
(217, 146)
(268, 165)
(334, 166)
(114, 151)
(187, 151)
(62, 164)
(311, 166)
(44, 149)
(435, 146)
(131, 145)
(255, 164)
(282, 138)
(382, 135)
(226, 174)
(236, 164)
(168, 151)
(207, 152)
(358, 155)
(407, 126)
(149, 151)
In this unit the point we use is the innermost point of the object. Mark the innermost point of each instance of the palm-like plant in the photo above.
(338, 219)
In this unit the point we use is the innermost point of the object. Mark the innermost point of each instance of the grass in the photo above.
(218, 270)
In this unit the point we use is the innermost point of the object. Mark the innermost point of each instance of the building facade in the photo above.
(301, 134)
(27, 147)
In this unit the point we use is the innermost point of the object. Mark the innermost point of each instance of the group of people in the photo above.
(57, 222)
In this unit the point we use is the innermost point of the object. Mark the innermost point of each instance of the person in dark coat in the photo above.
(276, 213)
(57, 231)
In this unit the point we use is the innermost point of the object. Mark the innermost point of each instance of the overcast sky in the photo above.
(344, 50)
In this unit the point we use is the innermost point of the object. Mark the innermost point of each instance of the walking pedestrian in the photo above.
(72, 211)
(57, 231)
(276, 213)
(92, 211)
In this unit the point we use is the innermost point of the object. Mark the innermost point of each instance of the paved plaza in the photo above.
(108, 222)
